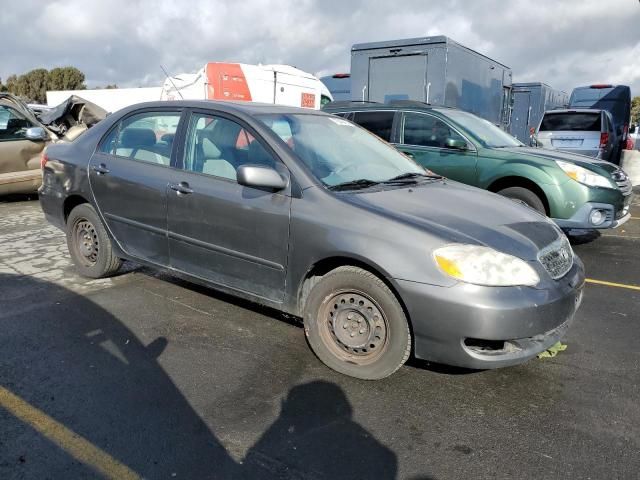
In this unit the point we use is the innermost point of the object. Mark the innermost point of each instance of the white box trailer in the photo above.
(278, 84)
(111, 99)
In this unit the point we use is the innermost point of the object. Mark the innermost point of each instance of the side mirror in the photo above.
(259, 176)
(457, 144)
(36, 134)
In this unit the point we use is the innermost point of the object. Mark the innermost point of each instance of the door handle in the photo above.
(181, 188)
(409, 154)
(100, 169)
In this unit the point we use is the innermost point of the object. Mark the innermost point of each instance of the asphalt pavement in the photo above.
(146, 376)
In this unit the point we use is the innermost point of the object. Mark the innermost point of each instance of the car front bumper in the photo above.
(581, 219)
(489, 327)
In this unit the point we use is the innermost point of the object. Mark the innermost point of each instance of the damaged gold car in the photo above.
(24, 136)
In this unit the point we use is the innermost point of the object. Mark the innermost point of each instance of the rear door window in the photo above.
(379, 123)
(146, 137)
(571, 121)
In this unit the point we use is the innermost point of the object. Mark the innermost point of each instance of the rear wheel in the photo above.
(89, 245)
(524, 195)
(355, 324)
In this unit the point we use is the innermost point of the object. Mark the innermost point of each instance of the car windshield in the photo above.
(487, 133)
(338, 151)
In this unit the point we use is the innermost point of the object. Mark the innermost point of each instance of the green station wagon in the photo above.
(577, 192)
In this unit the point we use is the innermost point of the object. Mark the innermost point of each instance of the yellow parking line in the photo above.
(612, 284)
(77, 446)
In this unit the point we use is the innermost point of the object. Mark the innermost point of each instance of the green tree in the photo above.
(33, 85)
(65, 78)
(635, 110)
(11, 85)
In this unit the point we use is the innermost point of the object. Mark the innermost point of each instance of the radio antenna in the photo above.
(174, 85)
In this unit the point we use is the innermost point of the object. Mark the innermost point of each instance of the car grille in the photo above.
(623, 181)
(557, 257)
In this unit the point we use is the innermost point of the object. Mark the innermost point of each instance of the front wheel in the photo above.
(526, 196)
(355, 324)
(89, 244)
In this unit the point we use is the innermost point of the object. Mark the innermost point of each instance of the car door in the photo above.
(17, 154)
(129, 175)
(425, 138)
(219, 230)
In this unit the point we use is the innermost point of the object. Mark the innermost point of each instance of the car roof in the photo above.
(346, 105)
(250, 108)
(575, 110)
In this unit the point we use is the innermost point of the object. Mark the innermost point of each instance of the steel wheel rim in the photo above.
(353, 326)
(85, 240)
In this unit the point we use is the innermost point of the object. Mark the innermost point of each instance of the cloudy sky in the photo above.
(563, 43)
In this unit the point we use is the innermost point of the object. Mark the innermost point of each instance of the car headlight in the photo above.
(583, 175)
(484, 266)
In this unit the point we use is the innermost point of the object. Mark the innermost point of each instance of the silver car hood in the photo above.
(458, 213)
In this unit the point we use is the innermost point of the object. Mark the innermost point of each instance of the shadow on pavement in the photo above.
(18, 197)
(75, 362)
(581, 237)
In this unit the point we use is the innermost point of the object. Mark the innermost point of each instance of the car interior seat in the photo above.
(213, 157)
(140, 143)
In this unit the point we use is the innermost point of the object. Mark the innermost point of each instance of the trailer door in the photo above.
(520, 116)
(296, 91)
(402, 77)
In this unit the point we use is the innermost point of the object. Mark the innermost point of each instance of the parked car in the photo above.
(587, 132)
(577, 192)
(23, 137)
(634, 134)
(309, 214)
(616, 99)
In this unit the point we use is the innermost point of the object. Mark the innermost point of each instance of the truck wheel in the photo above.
(524, 195)
(355, 324)
(89, 245)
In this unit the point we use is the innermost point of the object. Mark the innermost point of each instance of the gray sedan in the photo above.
(312, 215)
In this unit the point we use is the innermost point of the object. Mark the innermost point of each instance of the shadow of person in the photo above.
(76, 363)
(69, 364)
(316, 437)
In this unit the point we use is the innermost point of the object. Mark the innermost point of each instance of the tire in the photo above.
(355, 324)
(524, 195)
(89, 244)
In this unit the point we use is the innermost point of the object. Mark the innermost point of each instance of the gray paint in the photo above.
(456, 76)
(530, 101)
(262, 245)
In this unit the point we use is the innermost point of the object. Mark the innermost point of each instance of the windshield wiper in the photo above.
(412, 176)
(354, 184)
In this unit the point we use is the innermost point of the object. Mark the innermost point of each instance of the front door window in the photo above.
(13, 126)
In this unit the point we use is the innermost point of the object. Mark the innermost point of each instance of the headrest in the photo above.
(137, 137)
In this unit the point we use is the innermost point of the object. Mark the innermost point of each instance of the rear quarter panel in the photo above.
(65, 173)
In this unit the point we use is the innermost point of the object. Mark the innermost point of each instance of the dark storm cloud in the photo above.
(124, 42)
